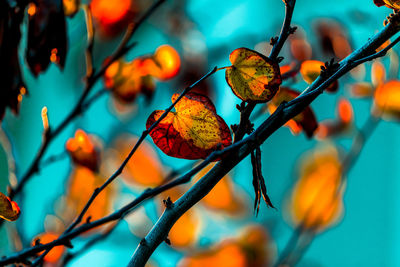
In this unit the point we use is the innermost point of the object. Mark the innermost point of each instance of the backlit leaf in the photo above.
(83, 151)
(304, 121)
(193, 131)
(71, 7)
(378, 73)
(252, 76)
(387, 99)
(168, 62)
(111, 18)
(251, 248)
(82, 183)
(56, 253)
(395, 4)
(361, 90)
(316, 201)
(9, 209)
(144, 168)
(223, 197)
(311, 69)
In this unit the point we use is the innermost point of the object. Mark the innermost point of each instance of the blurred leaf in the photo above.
(168, 62)
(304, 121)
(193, 131)
(387, 99)
(47, 39)
(83, 151)
(71, 7)
(252, 76)
(361, 90)
(223, 197)
(316, 200)
(13, 87)
(144, 168)
(111, 18)
(9, 209)
(378, 73)
(311, 69)
(56, 253)
(251, 248)
(81, 185)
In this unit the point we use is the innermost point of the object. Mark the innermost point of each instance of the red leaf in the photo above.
(193, 131)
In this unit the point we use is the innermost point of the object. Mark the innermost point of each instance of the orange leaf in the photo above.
(82, 150)
(304, 121)
(145, 167)
(168, 62)
(387, 99)
(222, 197)
(252, 76)
(394, 4)
(311, 69)
(127, 79)
(193, 131)
(9, 209)
(56, 253)
(249, 249)
(345, 111)
(316, 201)
(82, 183)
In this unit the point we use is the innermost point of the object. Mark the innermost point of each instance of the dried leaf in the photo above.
(258, 181)
(9, 209)
(252, 76)
(394, 4)
(47, 39)
(193, 131)
(305, 121)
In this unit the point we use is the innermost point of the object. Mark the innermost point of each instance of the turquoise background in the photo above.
(368, 234)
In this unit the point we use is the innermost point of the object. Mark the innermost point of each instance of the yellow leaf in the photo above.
(9, 209)
(252, 76)
(387, 99)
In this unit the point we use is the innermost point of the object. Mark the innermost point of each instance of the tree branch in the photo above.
(284, 112)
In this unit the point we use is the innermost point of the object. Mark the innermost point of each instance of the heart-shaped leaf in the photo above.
(252, 76)
(193, 131)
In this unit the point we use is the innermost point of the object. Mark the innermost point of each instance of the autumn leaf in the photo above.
(56, 253)
(387, 99)
(394, 4)
(9, 209)
(305, 121)
(251, 248)
(193, 131)
(71, 7)
(311, 69)
(223, 197)
(341, 125)
(81, 185)
(144, 168)
(47, 39)
(12, 85)
(252, 76)
(316, 201)
(83, 151)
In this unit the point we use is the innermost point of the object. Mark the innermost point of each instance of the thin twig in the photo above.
(78, 109)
